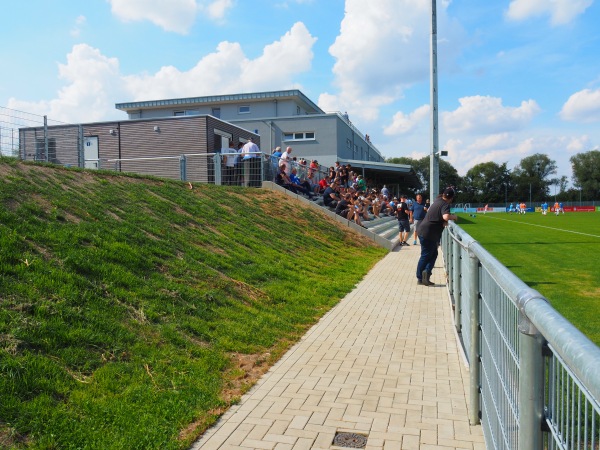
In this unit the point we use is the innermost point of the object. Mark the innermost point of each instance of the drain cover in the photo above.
(350, 440)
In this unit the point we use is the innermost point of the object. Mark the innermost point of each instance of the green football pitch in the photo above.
(559, 256)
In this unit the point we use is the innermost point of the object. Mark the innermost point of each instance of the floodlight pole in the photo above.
(434, 162)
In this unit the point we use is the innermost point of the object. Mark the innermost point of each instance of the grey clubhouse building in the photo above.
(196, 125)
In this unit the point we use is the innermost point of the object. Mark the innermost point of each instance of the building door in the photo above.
(90, 152)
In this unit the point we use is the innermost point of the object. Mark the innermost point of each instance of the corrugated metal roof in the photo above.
(386, 172)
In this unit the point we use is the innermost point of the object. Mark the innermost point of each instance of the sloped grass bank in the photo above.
(134, 311)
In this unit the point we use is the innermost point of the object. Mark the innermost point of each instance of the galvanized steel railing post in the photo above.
(448, 243)
(531, 377)
(474, 356)
(217, 166)
(456, 276)
(182, 168)
(80, 147)
(46, 138)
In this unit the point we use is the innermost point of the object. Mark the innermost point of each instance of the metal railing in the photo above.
(534, 378)
(228, 169)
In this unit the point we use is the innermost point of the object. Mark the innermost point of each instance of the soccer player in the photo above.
(560, 208)
(544, 208)
(556, 208)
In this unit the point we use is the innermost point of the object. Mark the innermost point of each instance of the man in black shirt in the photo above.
(330, 197)
(404, 216)
(430, 233)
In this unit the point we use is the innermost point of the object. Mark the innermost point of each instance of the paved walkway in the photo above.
(384, 363)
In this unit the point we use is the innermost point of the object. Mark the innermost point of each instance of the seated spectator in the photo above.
(376, 204)
(361, 184)
(355, 213)
(385, 205)
(283, 180)
(323, 183)
(303, 187)
(330, 196)
(365, 203)
(343, 206)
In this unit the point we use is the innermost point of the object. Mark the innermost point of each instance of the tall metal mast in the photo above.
(434, 166)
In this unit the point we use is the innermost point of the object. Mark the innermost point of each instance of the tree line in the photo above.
(532, 180)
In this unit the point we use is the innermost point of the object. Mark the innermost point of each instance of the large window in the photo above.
(299, 136)
(40, 150)
(244, 109)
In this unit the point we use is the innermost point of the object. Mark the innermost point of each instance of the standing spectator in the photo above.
(239, 165)
(404, 215)
(419, 211)
(286, 158)
(251, 159)
(230, 155)
(343, 174)
(430, 233)
(385, 191)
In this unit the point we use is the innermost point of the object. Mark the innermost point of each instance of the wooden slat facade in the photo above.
(151, 138)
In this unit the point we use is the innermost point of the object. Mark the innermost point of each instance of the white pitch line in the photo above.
(543, 226)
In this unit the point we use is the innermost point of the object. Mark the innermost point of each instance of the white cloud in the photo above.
(94, 82)
(229, 70)
(483, 114)
(383, 48)
(583, 106)
(217, 9)
(405, 123)
(79, 23)
(560, 11)
(172, 15)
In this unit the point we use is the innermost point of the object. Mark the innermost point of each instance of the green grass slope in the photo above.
(557, 255)
(134, 311)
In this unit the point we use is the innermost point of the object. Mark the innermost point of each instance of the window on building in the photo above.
(216, 112)
(348, 144)
(40, 150)
(299, 136)
(245, 109)
(179, 113)
(298, 110)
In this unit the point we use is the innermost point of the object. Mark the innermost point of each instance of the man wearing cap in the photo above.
(430, 233)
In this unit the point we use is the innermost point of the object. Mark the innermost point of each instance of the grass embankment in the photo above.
(557, 255)
(134, 311)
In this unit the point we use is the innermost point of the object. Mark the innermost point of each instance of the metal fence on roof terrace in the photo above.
(534, 378)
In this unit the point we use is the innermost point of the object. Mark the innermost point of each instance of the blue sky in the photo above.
(516, 77)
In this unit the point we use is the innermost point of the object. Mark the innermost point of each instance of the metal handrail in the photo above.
(546, 346)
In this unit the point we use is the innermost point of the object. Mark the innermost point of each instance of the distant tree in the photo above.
(448, 174)
(586, 174)
(532, 177)
(487, 182)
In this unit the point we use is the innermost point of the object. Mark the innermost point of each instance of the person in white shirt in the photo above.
(230, 156)
(286, 158)
(251, 156)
